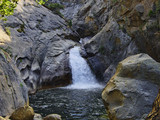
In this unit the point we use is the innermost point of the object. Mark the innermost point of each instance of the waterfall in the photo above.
(82, 76)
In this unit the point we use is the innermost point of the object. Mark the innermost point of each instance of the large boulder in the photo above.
(130, 93)
(23, 113)
(13, 91)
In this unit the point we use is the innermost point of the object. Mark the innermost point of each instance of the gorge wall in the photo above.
(118, 29)
(38, 41)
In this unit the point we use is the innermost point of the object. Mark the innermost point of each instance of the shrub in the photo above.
(151, 13)
(7, 8)
(69, 23)
(54, 6)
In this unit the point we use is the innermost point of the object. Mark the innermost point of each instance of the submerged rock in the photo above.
(37, 117)
(131, 91)
(52, 117)
(13, 91)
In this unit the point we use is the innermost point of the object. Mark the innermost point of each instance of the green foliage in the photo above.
(114, 1)
(21, 29)
(69, 23)
(155, 11)
(7, 50)
(8, 31)
(41, 2)
(58, 13)
(102, 49)
(151, 13)
(7, 8)
(55, 8)
(21, 85)
(20, 60)
(104, 117)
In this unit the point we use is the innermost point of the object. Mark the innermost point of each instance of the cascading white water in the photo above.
(82, 76)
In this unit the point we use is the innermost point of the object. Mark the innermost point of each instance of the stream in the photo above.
(79, 101)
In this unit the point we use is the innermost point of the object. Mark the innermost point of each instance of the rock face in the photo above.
(132, 27)
(39, 44)
(155, 113)
(107, 48)
(71, 7)
(13, 91)
(130, 93)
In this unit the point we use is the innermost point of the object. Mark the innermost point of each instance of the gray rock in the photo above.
(140, 8)
(39, 39)
(108, 47)
(130, 93)
(37, 117)
(91, 17)
(52, 117)
(13, 91)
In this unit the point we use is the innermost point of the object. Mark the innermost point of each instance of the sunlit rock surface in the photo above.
(131, 92)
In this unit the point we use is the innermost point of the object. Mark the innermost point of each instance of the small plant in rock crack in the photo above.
(21, 85)
(55, 8)
(8, 31)
(69, 23)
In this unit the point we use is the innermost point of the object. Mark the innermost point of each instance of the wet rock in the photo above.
(131, 91)
(37, 117)
(23, 113)
(13, 91)
(52, 117)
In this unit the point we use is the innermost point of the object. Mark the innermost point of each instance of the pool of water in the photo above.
(71, 104)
